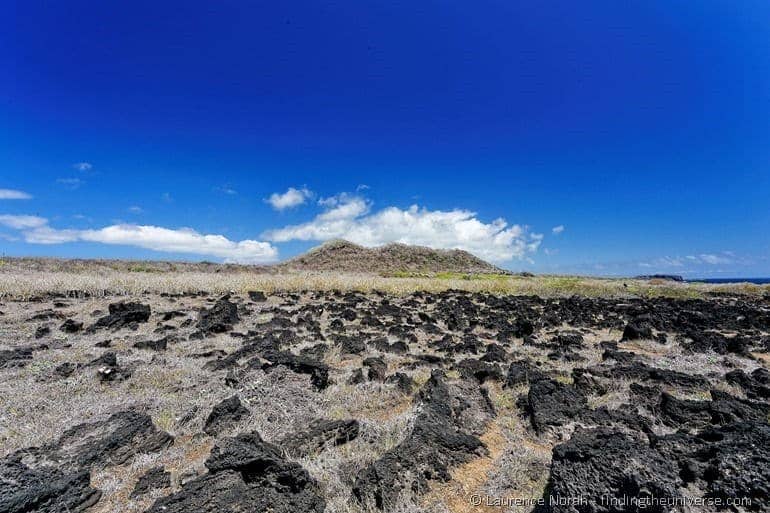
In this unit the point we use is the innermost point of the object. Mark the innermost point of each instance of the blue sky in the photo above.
(595, 137)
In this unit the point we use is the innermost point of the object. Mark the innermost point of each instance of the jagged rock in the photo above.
(246, 474)
(598, 465)
(398, 347)
(108, 374)
(65, 369)
(621, 357)
(154, 345)
(350, 344)
(257, 296)
(153, 479)
(567, 340)
(521, 372)
(701, 342)
(495, 353)
(56, 477)
(439, 441)
(18, 357)
(403, 382)
(220, 318)
(551, 403)
(316, 351)
(108, 368)
(172, 314)
(42, 331)
(319, 372)
(224, 415)
(377, 368)
(470, 368)
(638, 329)
(44, 489)
(319, 433)
(523, 328)
(122, 315)
(730, 461)
(638, 371)
(755, 385)
(71, 326)
(722, 409)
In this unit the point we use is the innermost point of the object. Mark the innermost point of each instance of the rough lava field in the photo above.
(364, 401)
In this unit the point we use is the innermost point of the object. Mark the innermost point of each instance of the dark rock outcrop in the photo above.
(220, 318)
(598, 466)
(377, 368)
(71, 326)
(246, 474)
(319, 372)
(122, 315)
(160, 344)
(56, 476)
(551, 403)
(18, 357)
(153, 479)
(224, 415)
(439, 441)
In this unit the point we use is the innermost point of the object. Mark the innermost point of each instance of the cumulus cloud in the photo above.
(36, 230)
(13, 194)
(556, 230)
(347, 217)
(22, 222)
(291, 198)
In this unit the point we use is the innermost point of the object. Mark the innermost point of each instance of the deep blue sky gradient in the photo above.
(643, 127)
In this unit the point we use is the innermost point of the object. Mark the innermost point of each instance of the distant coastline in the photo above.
(756, 281)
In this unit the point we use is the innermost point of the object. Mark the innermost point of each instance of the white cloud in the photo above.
(347, 217)
(135, 209)
(22, 222)
(556, 230)
(47, 235)
(701, 259)
(184, 240)
(291, 198)
(713, 259)
(83, 166)
(70, 183)
(13, 194)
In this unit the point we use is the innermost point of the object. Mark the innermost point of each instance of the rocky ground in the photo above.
(352, 401)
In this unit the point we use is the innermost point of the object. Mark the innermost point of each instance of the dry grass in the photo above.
(23, 283)
(516, 466)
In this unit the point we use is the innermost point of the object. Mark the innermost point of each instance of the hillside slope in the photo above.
(343, 256)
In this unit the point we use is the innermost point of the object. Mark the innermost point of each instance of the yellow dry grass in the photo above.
(468, 479)
(22, 283)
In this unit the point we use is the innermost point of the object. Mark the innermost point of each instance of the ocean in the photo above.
(757, 281)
